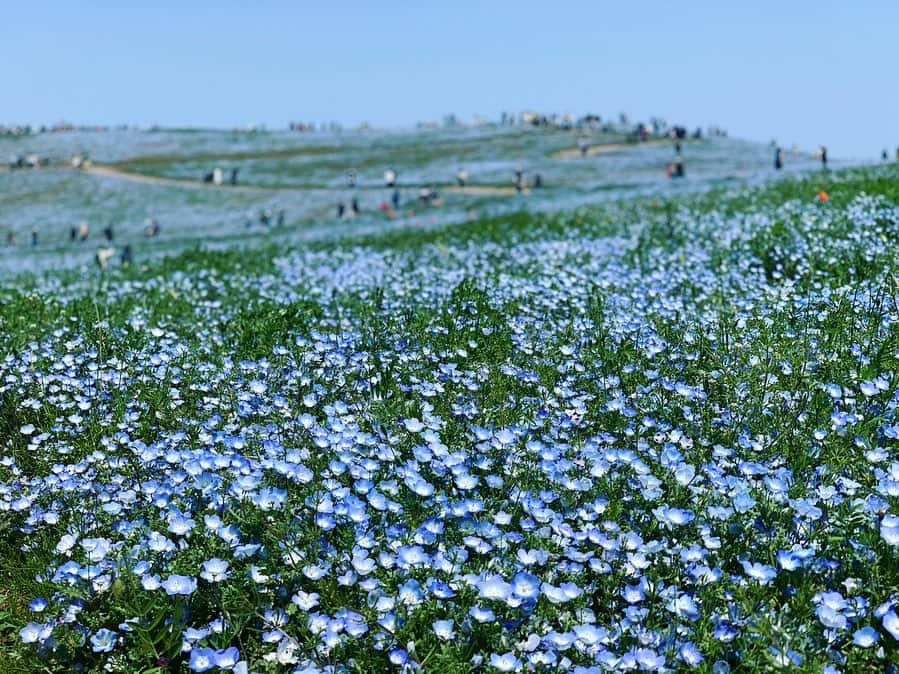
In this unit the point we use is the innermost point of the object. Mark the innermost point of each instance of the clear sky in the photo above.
(791, 70)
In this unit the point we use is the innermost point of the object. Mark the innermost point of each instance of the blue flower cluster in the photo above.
(576, 452)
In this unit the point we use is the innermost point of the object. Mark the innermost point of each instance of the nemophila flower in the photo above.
(179, 585)
(215, 570)
(865, 637)
(226, 658)
(103, 641)
(561, 594)
(889, 529)
(507, 662)
(181, 525)
(37, 605)
(33, 632)
(494, 587)
(443, 629)
(202, 659)
(672, 517)
(690, 654)
(762, 573)
(891, 623)
(481, 614)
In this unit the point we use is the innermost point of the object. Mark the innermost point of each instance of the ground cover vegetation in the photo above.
(650, 435)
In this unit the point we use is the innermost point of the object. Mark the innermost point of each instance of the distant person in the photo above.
(677, 148)
(778, 159)
(10, 239)
(73, 233)
(395, 199)
(126, 255)
(248, 220)
(265, 217)
(217, 176)
(390, 177)
(884, 155)
(461, 177)
(538, 181)
(424, 196)
(583, 145)
(34, 236)
(676, 168)
(234, 176)
(281, 217)
(83, 231)
(107, 232)
(341, 209)
(519, 179)
(435, 196)
(350, 179)
(103, 255)
(354, 206)
(207, 177)
(823, 156)
(153, 228)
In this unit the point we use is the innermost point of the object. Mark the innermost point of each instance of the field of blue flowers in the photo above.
(644, 435)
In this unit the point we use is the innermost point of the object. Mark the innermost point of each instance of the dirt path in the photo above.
(594, 150)
(483, 190)
(113, 172)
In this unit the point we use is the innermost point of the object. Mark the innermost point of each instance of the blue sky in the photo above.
(793, 70)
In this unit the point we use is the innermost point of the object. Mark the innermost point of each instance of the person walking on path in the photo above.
(778, 159)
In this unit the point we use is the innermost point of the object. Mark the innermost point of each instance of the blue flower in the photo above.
(103, 641)
(179, 585)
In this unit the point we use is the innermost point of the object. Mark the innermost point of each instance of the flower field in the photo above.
(635, 436)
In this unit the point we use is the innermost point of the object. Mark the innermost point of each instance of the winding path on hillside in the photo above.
(116, 172)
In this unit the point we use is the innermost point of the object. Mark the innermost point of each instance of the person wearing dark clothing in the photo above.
(234, 176)
(354, 206)
(538, 181)
(778, 159)
(73, 233)
(884, 155)
(395, 200)
(265, 217)
(519, 177)
(207, 178)
(677, 148)
(107, 232)
(823, 157)
(281, 216)
(341, 209)
(126, 255)
(34, 233)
